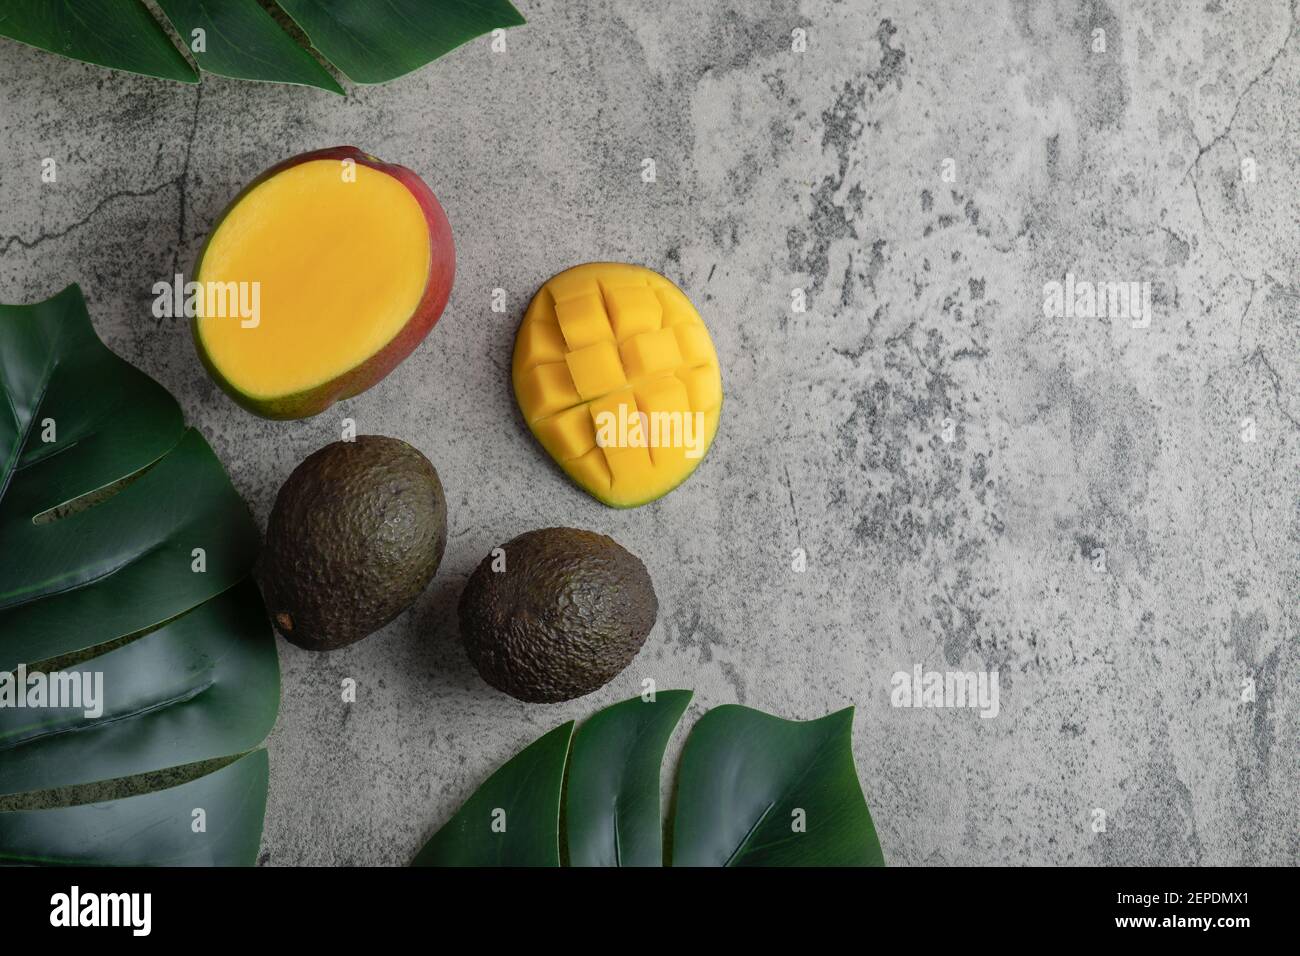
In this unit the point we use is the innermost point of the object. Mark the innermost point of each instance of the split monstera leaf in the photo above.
(124, 561)
(369, 42)
(752, 790)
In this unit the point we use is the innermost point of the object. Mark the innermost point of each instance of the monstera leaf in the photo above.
(124, 562)
(753, 790)
(369, 42)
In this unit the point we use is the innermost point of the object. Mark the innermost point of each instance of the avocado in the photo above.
(357, 532)
(555, 614)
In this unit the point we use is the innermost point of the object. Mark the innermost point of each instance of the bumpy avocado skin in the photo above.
(357, 532)
(569, 612)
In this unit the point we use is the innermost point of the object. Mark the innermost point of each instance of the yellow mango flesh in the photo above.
(612, 364)
(341, 267)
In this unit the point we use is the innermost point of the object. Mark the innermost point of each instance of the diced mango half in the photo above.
(617, 377)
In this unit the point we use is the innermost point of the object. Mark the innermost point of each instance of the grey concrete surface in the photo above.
(1098, 529)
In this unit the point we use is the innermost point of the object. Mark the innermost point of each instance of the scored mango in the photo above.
(616, 375)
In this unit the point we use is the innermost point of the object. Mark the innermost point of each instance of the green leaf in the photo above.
(747, 779)
(126, 564)
(613, 816)
(154, 829)
(753, 790)
(368, 42)
(243, 41)
(204, 685)
(514, 818)
(125, 561)
(119, 34)
(375, 43)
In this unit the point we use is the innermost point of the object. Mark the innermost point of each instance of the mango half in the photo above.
(348, 261)
(616, 376)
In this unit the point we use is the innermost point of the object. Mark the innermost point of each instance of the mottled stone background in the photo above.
(821, 170)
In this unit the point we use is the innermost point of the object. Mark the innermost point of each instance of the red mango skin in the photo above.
(437, 290)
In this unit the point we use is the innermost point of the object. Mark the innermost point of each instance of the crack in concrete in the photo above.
(1258, 357)
(1232, 118)
(1250, 303)
(1206, 147)
(9, 242)
(182, 180)
(1214, 234)
(179, 181)
(793, 511)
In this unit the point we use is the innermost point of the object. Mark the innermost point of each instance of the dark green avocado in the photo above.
(565, 616)
(356, 534)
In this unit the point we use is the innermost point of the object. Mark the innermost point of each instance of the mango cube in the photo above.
(543, 341)
(596, 370)
(704, 386)
(568, 434)
(545, 389)
(633, 310)
(695, 345)
(582, 321)
(651, 353)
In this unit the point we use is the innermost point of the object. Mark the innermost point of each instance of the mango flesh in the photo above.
(617, 377)
(353, 263)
